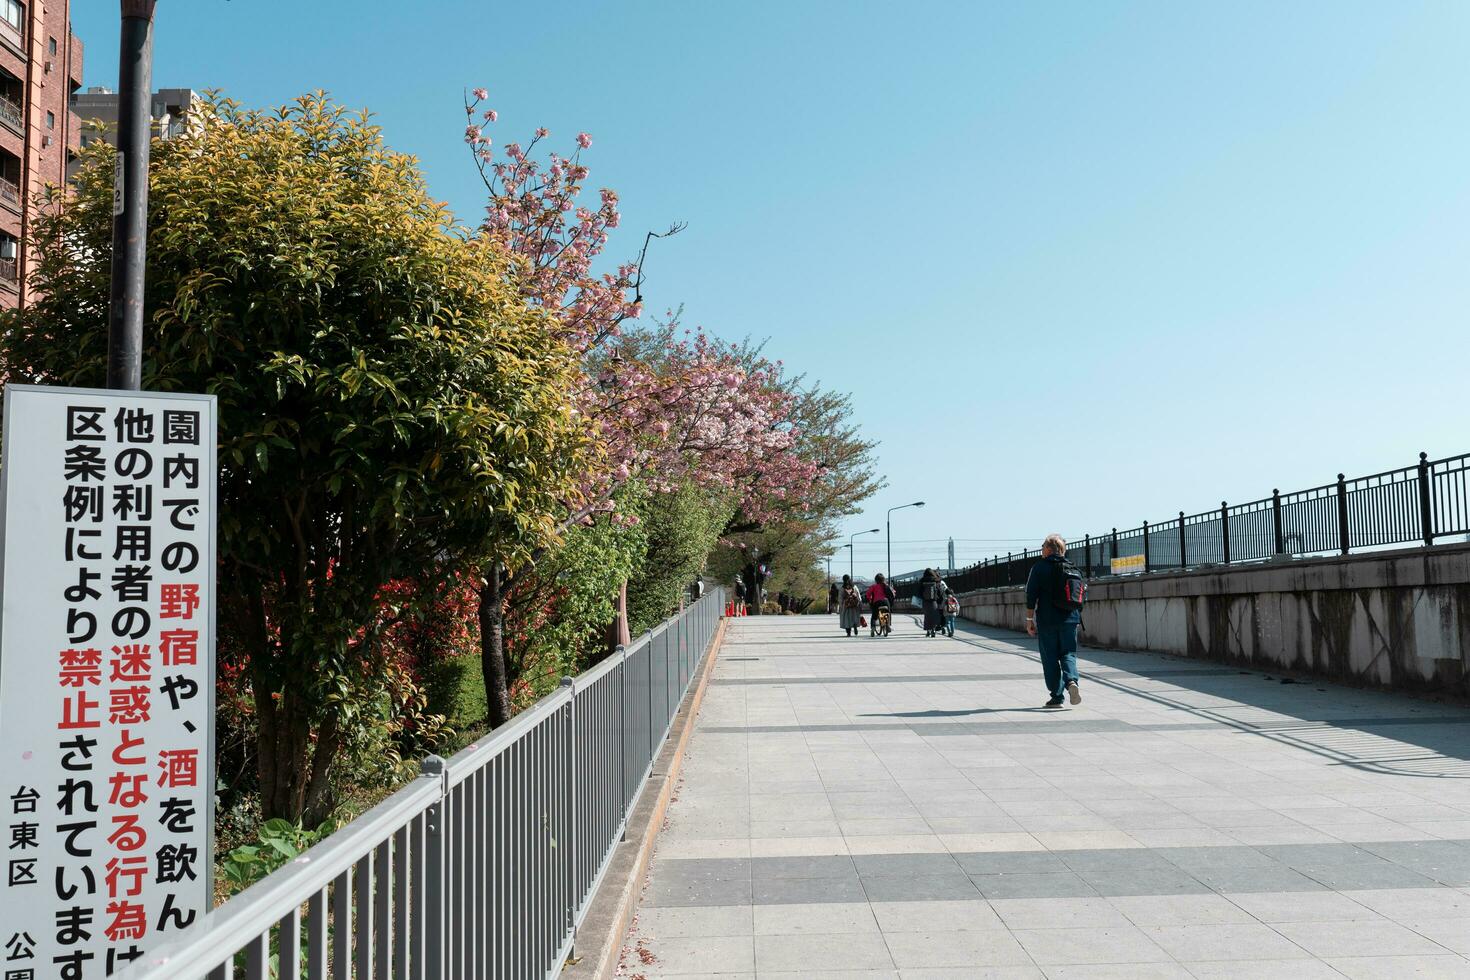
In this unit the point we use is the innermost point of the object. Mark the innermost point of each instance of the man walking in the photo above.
(1053, 612)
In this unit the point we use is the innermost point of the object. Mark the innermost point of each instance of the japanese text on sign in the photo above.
(106, 675)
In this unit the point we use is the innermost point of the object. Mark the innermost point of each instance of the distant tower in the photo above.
(952, 565)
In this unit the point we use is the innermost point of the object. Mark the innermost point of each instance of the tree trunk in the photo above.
(492, 646)
(617, 630)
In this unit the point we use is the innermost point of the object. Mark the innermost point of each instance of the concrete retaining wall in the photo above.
(1395, 619)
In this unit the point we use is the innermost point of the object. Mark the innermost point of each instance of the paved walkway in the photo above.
(859, 808)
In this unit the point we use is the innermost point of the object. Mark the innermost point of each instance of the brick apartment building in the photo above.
(40, 68)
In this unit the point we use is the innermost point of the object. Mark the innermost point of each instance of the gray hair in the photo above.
(1056, 543)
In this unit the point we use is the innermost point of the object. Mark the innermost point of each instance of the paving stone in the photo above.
(1358, 938)
(810, 954)
(826, 918)
(967, 948)
(806, 891)
(1093, 945)
(1062, 885)
(1225, 941)
(919, 888)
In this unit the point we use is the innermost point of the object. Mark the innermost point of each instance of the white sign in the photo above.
(106, 675)
(119, 167)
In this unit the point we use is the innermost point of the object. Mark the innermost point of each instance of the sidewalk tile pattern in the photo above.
(904, 809)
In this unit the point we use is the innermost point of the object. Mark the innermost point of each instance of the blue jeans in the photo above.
(949, 625)
(1058, 657)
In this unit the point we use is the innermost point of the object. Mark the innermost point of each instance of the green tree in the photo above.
(682, 528)
(559, 610)
(390, 407)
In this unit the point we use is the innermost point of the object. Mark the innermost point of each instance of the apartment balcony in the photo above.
(13, 114)
(10, 194)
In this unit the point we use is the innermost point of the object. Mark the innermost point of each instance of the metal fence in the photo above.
(485, 865)
(1415, 504)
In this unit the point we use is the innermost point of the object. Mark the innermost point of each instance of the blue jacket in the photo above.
(1042, 584)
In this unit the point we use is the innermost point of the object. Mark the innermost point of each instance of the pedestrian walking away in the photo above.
(931, 595)
(834, 597)
(852, 607)
(740, 596)
(951, 609)
(880, 596)
(1054, 596)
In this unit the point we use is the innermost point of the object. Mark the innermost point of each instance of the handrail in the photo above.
(1405, 505)
(409, 877)
(264, 903)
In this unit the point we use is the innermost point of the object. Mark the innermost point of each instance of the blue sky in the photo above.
(1079, 264)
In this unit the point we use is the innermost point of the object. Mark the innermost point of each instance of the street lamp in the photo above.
(889, 535)
(851, 573)
(130, 197)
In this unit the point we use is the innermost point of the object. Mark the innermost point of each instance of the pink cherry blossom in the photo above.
(697, 410)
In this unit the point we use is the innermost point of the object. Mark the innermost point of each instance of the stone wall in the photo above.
(1394, 619)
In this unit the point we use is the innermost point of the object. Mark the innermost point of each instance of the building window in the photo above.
(52, 47)
(14, 13)
(50, 120)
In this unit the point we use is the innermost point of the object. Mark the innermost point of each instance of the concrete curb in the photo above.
(600, 939)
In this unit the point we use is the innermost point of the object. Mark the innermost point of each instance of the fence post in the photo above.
(1008, 568)
(1087, 543)
(1342, 514)
(1426, 511)
(1183, 559)
(434, 867)
(1147, 558)
(1276, 520)
(622, 656)
(1225, 532)
(1114, 553)
(572, 821)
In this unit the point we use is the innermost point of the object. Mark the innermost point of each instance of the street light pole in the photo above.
(130, 197)
(851, 572)
(888, 565)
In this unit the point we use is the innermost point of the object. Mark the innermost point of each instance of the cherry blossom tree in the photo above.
(666, 406)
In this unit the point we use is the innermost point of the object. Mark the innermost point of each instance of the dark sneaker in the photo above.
(1053, 703)
(1073, 693)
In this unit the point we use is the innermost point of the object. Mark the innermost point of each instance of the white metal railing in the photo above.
(485, 865)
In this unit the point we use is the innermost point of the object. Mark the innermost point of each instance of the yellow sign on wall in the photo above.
(1126, 564)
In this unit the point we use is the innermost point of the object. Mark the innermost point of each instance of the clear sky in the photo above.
(1079, 264)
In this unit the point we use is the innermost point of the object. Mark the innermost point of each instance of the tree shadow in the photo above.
(1363, 729)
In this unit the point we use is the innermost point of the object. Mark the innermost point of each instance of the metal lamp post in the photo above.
(851, 573)
(888, 565)
(130, 197)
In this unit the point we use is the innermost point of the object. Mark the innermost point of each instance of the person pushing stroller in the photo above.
(931, 594)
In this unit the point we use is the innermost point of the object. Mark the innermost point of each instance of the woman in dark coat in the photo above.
(852, 607)
(931, 594)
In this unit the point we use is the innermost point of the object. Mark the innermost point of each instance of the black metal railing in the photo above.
(1414, 505)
